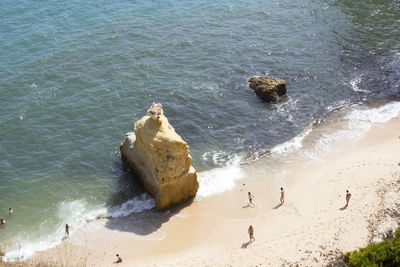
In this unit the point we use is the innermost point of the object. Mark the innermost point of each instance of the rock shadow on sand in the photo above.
(145, 222)
(140, 222)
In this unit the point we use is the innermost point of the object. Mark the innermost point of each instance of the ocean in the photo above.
(76, 75)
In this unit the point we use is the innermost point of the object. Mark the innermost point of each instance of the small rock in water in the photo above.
(268, 88)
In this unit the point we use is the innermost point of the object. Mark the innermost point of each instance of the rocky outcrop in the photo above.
(267, 88)
(160, 158)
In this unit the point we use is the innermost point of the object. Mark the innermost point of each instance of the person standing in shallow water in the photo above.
(67, 230)
(251, 199)
(282, 195)
(10, 210)
(251, 233)
(348, 196)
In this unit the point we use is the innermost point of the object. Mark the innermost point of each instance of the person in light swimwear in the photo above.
(282, 195)
(251, 233)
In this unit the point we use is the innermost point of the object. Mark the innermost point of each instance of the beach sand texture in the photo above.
(311, 228)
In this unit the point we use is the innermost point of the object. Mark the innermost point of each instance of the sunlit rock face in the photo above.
(160, 158)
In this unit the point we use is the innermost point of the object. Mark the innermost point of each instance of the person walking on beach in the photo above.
(348, 196)
(251, 233)
(10, 210)
(282, 195)
(251, 199)
(67, 230)
(119, 259)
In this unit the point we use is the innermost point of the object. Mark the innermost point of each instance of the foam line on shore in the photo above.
(320, 141)
(219, 179)
(76, 213)
(137, 204)
(376, 115)
(292, 145)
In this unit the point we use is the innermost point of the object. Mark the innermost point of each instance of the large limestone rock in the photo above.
(160, 159)
(267, 88)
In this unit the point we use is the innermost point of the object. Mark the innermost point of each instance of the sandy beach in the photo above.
(311, 228)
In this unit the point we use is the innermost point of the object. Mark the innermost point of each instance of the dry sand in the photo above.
(311, 228)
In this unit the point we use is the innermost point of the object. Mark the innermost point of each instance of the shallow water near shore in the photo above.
(75, 76)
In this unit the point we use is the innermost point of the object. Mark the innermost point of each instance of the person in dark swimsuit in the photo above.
(348, 196)
(67, 230)
(251, 199)
(119, 259)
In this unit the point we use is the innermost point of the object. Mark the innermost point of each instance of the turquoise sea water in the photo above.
(75, 75)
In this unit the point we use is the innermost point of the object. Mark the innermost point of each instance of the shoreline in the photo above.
(312, 227)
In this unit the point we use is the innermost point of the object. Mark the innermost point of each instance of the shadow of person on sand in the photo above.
(244, 245)
(277, 206)
(138, 220)
(344, 207)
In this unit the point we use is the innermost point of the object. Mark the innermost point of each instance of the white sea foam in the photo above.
(218, 158)
(335, 141)
(76, 213)
(220, 179)
(319, 142)
(205, 156)
(181, 215)
(292, 145)
(134, 205)
(359, 121)
(376, 115)
(355, 83)
(26, 250)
